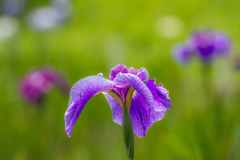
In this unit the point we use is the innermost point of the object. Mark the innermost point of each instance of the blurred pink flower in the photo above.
(39, 81)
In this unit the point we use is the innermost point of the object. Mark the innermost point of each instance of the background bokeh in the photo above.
(204, 122)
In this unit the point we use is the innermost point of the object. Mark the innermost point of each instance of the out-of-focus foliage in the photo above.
(204, 122)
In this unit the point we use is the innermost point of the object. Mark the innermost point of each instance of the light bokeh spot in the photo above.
(169, 27)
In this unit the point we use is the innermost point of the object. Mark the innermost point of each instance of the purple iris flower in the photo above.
(146, 101)
(38, 82)
(207, 45)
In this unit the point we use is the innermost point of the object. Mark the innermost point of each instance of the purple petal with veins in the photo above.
(143, 116)
(132, 71)
(115, 108)
(143, 74)
(123, 79)
(161, 100)
(118, 68)
(81, 92)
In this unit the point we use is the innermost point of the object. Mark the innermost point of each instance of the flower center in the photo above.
(123, 96)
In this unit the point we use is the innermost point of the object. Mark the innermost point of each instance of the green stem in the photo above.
(128, 132)
(207, 82)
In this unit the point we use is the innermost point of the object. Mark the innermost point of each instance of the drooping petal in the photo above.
(81, 92)
(115, 108)
(118, 68)
(160, 95)
(123, 79)
(143, 74)
(144, 116)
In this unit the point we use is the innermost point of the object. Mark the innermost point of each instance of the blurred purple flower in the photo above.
(45, 18)
(207, 45)
(146, 101)
(11, 7)
(38, 82)
(182, 51)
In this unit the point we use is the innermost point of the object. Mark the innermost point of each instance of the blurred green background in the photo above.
(204, 122)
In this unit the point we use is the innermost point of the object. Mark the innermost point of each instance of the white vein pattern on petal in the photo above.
(144, 116)
(137, 119)
(160, 96)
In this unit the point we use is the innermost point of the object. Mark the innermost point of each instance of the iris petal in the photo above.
(143, 116)
(181, 53)
(123, 79)
(81, 92)
(118, 68)
(222, 43)
(132, 71)
(115, 108)
(143, 74)
(160, 95)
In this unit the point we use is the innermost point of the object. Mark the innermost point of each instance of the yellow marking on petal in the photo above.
(114, 95)
(129, 96)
